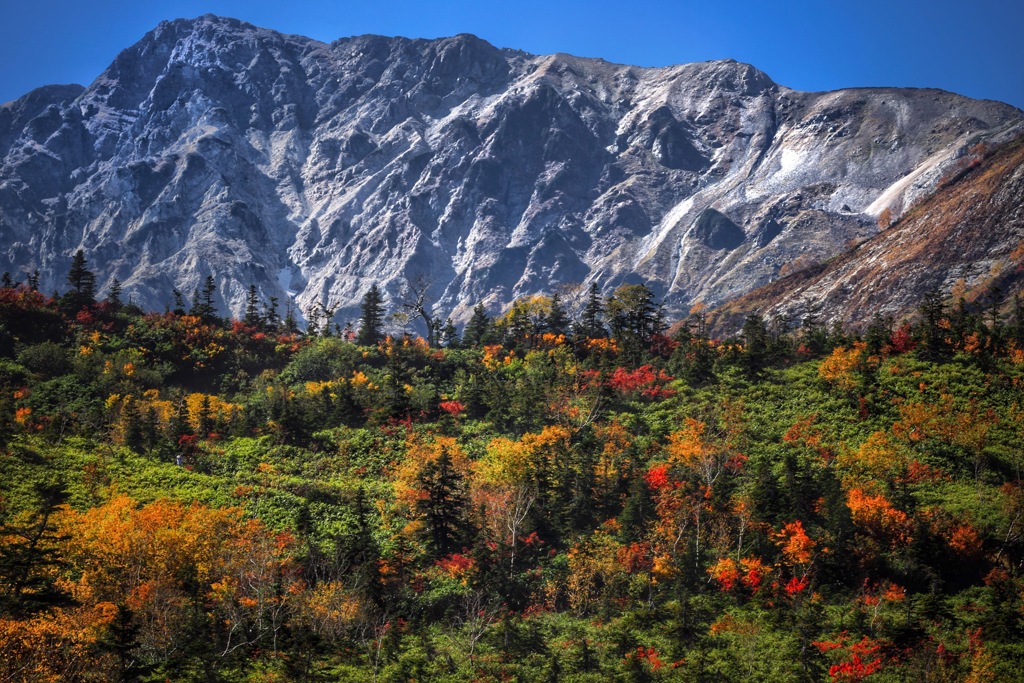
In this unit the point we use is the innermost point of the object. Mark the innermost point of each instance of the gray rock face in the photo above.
(314, 170)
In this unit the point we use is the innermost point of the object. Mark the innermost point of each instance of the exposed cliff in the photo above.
(965, 240)
(313, 170)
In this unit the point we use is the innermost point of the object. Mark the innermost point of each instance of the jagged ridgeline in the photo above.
(312, 170)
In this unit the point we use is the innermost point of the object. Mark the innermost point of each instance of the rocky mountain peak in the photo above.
(312, 170)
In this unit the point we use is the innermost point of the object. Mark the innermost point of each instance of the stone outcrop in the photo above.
(313, 170)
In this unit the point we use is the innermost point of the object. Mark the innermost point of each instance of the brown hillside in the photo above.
(962, 240)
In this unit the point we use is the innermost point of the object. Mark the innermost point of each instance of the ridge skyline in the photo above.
(812, 51)
(312, 169)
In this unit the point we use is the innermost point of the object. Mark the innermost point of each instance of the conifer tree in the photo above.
(634, 319)
(443, 505)
(591, 325)
(252, 316)
(557, 321)
(83, 284)
(755, 345)
(291, 326)
(114, 294)
(271, 318)
(932, 337)
(372, 319)
(202, 300)
(479, 329)
(449, 336)
(179, 302)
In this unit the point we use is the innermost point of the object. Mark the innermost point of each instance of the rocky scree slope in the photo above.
(313, 170)
(966, 240)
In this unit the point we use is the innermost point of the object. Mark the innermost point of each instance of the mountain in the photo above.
(967, 239)
(312, 170)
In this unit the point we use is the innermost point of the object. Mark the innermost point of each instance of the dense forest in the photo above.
(551, 495)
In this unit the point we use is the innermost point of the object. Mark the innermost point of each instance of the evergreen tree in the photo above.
(202, 300)
(755, 346)
(449, 336)
(83, 284)
(878, 334)
(29, 555)
(813, 333)
(313, 321)
(591, 325)
(557, 321)
(443, 506)
(179, 302)
(1015, 325)
(694, 358)
(270, 317)
(206, 424)
(518, 325)
(479, 329)
(372, 319)
(114, 294)
(252, 316)
(634, 319)
(291, 326)
(931, 336)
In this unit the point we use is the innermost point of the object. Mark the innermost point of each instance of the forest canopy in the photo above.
(552, 495)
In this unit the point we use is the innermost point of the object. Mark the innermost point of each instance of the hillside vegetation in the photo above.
(192, 499)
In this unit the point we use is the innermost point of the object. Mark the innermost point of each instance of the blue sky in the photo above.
(972, 47)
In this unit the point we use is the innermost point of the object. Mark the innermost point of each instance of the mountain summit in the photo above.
(312, 170)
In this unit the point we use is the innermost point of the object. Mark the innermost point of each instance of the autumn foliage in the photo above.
(186, 498)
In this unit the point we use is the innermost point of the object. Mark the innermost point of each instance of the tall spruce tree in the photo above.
(557, 321)
(202, 302)
(591, 324)
(114, 294)
(179, 302)
(252, 308)
(479, 329)
(634, 319)
(83, 284)
(371, 321)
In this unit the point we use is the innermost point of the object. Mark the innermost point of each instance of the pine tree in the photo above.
(372, 319)
(83, 284)
(313, 321)
(591, 325)
(932, 336)
(30, 555)
(878, 334)
(202, 300)
(557, 321)
(252, 316)
(271, 319)
(443, 504)
(755, 345)
(479, 329)
(449, 336)
(114, 294)
(291, 326)
(179, 302)
(634, 319)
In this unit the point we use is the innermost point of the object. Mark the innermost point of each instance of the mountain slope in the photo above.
(314, 170)
(967, 238)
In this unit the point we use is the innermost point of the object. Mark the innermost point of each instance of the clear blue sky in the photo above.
(973, 47)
